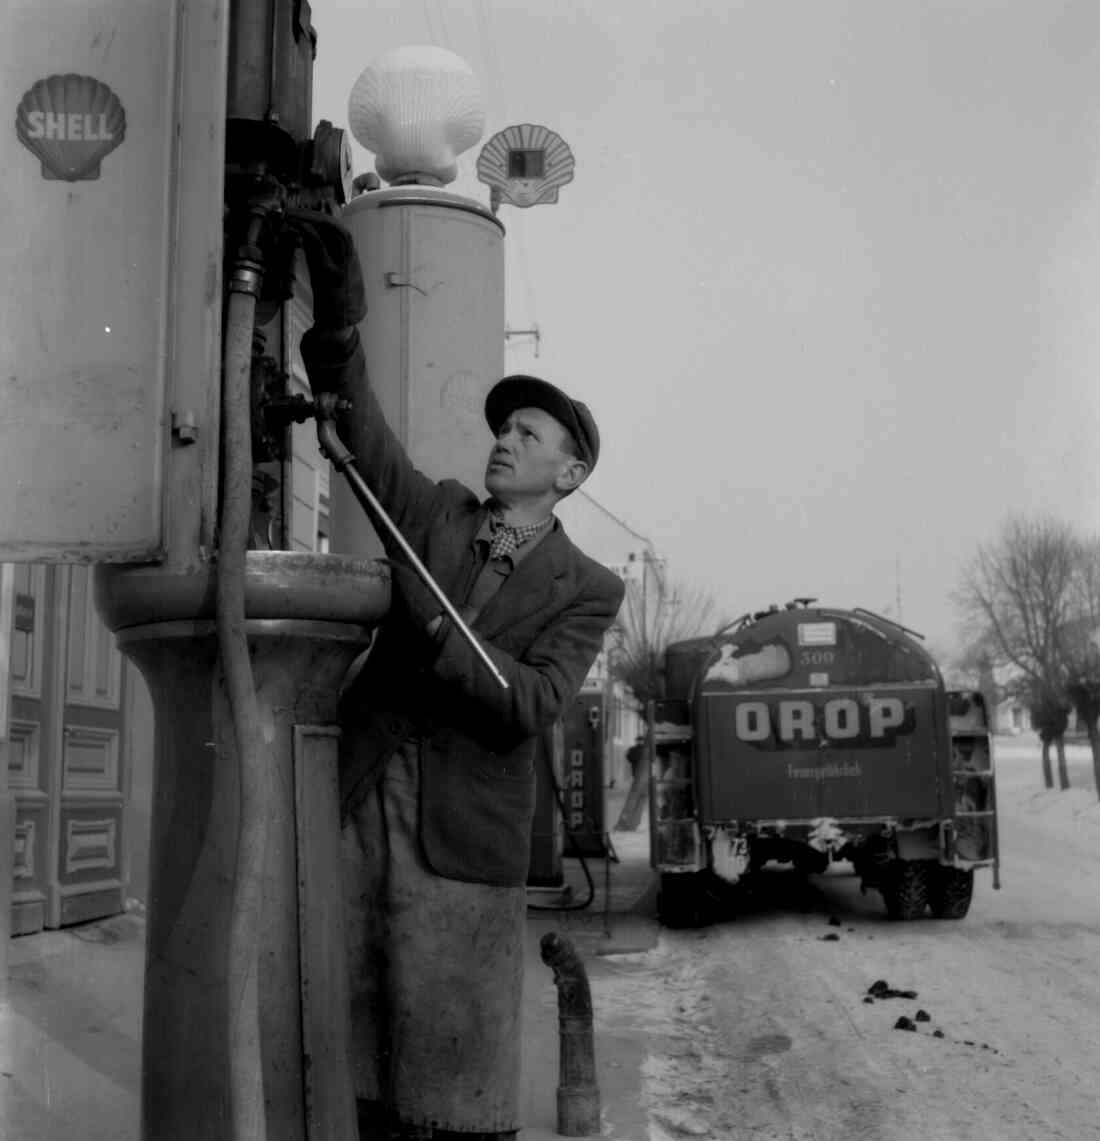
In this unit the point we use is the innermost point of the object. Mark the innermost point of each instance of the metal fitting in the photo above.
(246, 277)
(247, 272)
(185, 427)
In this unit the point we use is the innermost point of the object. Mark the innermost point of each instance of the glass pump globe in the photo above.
(417, 108)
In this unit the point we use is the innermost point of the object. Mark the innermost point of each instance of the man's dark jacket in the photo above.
(543, 629)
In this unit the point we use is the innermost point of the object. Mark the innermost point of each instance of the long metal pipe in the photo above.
(341, 459)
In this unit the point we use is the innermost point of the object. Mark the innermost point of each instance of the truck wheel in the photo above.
(951, 892)
(680, 900)
(905, 889)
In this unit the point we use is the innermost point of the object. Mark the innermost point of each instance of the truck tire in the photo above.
(905, 889)
(951, 892)
(681, 900)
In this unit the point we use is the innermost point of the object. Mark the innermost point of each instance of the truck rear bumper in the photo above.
(732, 848)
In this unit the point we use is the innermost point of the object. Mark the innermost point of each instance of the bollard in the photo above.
(578, 1094)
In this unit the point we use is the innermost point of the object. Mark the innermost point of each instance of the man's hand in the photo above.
(339, 297)
(421, 605)
(330, 347)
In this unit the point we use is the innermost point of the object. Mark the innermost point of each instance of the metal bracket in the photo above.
(185, 427)
(402, 280)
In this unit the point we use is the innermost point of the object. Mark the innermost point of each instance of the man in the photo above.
(437, 770)
(634, 757)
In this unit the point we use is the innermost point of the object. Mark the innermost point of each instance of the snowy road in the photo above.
(758, 1028)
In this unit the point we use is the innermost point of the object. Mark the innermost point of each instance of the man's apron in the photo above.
(436, 970)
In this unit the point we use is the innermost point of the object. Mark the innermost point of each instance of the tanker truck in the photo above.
(812, 736)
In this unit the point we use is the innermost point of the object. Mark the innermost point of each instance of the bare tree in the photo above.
(1015, 594)
(1049, 711)
(1033, 595)
(1080, 646)
(655, 614)
(1017, 601)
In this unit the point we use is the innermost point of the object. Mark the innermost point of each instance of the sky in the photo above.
(828, 274)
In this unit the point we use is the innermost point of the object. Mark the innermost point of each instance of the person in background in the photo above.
(634, 757)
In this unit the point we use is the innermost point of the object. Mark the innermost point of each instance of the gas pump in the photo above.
(245, 1023)
(147, 420)
(148, 142)
(585, 800)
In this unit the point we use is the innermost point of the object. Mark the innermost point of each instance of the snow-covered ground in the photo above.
(760, 1027)
(1070, 816)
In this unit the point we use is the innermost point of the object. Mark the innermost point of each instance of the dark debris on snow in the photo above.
(882, 989)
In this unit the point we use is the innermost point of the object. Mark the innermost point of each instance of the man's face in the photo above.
(529, 455)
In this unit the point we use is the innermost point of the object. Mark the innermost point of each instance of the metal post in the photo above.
(578, 1093)
(645, 593)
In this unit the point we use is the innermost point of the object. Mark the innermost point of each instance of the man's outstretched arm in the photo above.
(335, 363)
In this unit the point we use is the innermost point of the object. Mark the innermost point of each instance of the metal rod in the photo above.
(344, 461)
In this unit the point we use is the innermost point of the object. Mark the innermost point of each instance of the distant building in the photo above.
(1013, 717)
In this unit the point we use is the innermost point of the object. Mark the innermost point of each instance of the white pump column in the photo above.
(433, 267)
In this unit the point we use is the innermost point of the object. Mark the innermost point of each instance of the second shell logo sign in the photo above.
(71, 123)
(525, 165)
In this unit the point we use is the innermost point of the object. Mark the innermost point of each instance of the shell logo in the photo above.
(71, 123)
(525, 165)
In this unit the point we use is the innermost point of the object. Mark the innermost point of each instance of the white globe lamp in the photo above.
(417, 108)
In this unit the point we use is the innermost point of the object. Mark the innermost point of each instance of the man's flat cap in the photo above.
(519, 391)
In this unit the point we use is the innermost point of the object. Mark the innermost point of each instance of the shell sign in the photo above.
(525, 165)
(71, 123)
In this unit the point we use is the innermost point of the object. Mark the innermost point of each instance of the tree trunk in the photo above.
(1094, 745)
(631, 815)
(1048, 772)
(1063, 775)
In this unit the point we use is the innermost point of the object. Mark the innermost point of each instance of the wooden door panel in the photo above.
(93, 671)
(27, 644)
(89, 840)
(66, 771)
(29, 747)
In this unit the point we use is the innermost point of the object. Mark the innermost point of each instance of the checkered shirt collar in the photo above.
(506, 540)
